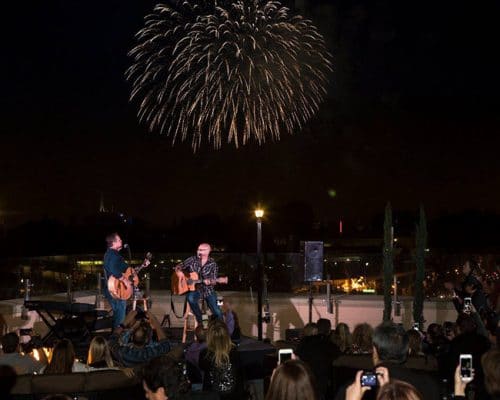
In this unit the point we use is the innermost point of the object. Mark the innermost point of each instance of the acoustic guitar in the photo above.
(123, 288)
(183, 282)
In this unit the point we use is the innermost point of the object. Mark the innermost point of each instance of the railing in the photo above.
(355, 273)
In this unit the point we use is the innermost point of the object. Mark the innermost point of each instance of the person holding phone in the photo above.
(468, 341)
(464, 374)
(387, 390)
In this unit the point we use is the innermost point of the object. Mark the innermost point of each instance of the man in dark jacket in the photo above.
(319, 352)
(114, 265)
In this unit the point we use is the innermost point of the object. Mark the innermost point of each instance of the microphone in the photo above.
(126, 246)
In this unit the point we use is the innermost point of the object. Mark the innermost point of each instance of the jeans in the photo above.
(211, 299)
(119, 307)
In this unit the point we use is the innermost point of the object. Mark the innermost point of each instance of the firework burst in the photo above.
(234, 70)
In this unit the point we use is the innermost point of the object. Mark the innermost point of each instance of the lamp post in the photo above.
(259, 213)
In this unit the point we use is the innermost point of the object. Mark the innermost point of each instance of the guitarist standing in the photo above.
(207, 270)
(114, 265)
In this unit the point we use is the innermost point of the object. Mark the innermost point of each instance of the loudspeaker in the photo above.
(312, 260)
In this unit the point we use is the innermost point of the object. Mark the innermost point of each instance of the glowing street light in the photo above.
(259, 213)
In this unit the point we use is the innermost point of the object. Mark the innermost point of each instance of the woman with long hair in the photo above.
(362, 339)
(292, 380)
(63, 359)
(220, 363)
(99, 355)
(342, 337)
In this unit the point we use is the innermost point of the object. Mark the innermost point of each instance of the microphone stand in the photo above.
(129, 252)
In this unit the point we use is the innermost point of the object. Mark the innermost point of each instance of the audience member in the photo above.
(362, 339)
(99, 355)
(398, 390)
(491, 368)
(342, 338)
(164, 379)
(492, 290)
(220, 363)
(318, 352)
(470, 270)
(434, 343)
(414, 343)
(473, 289)
(417, 359)
(22, 364)
(468, 341)
(131, 343)
(450, 330)
(310, 329)
(3, 325)
(8, 379)
(324, 327)
(192, 355)
(292, 380)
(231, 320)
(63, 360)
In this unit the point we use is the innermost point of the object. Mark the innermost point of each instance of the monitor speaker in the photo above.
(312, 260)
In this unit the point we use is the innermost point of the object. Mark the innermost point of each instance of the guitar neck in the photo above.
(218, 280)
(139, 268)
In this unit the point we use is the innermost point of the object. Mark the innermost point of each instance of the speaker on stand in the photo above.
(312, 260)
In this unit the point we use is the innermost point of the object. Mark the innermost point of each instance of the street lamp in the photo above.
(259, 213)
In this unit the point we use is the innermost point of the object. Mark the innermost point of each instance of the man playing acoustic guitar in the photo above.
(207, 270)
(118, 275)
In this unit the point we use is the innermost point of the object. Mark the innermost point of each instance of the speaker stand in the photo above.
(310, 302)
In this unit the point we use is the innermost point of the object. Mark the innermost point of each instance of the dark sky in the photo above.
(411, 116)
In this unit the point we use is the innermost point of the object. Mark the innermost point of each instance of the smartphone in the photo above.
(26, 332)
(369, 378)
(466, 367)
(467, 304)
(284, 354)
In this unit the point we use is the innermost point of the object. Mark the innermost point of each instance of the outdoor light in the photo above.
(259, 213)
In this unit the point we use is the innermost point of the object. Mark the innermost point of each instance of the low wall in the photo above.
(288, 311)
(293, 312)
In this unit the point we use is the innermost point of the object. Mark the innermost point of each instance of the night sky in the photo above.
(411, 117)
